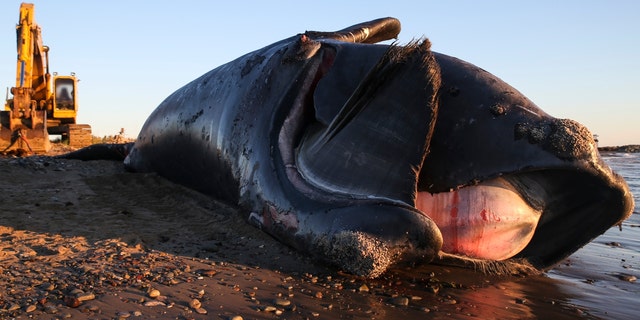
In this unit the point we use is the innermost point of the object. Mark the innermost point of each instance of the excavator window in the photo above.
(64, 94)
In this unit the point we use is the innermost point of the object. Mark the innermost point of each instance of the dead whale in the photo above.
(370, 155)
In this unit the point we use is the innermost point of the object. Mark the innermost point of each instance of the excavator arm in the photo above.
(32, 68)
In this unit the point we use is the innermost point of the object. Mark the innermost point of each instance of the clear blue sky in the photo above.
(574, 59)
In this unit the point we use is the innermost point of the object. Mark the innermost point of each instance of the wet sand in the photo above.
(87, 240)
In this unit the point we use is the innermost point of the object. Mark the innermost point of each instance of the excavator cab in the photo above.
(64, 100)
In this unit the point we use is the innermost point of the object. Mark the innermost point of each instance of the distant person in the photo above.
(64, 99)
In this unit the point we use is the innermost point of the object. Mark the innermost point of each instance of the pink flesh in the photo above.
(487, 221)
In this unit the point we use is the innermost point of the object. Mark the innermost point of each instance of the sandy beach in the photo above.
(88, 240)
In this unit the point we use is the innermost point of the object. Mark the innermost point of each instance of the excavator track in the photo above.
(78, 135)
(22, 139)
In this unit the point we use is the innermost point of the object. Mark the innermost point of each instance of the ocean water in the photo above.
(603, 274)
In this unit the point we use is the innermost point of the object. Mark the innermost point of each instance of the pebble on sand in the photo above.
(195, 304)
(400, 301)
(154, 303)
(154, 293)
(282, 302)
(85, 296)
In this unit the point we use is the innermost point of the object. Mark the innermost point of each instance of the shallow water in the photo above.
(602, 274)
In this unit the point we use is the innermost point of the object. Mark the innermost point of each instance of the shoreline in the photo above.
(630, 148)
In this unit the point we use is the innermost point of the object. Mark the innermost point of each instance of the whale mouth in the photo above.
(541, 215)
(336, 148)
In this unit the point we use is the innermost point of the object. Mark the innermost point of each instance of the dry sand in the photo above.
(87, 240)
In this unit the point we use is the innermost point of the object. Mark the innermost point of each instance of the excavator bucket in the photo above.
(24, 135)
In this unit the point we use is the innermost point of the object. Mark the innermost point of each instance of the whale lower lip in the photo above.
(487, 221)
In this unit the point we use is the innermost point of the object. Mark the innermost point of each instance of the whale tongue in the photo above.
(486, 221)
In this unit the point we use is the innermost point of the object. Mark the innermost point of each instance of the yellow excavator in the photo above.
(41, 104)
